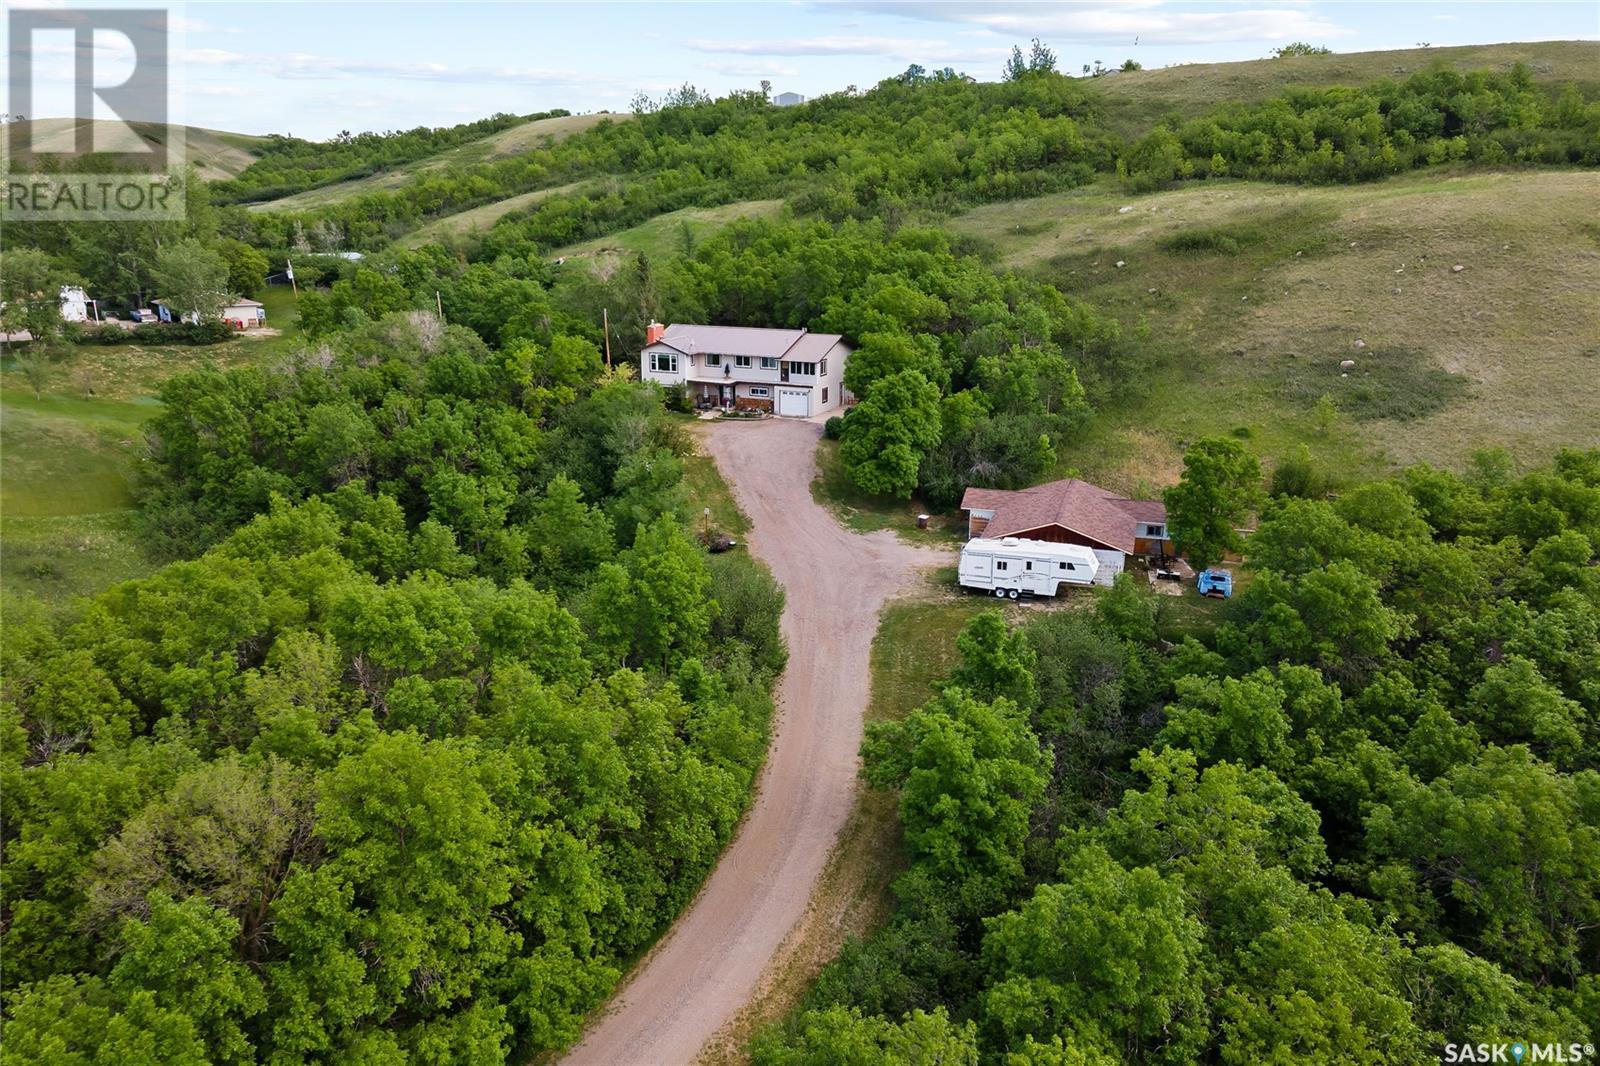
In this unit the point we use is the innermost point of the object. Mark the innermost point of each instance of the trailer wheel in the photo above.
(1013, 594)
(999, 594)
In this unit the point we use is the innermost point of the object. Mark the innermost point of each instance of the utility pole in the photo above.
(605, 326)
(438, 304)
(292, 283)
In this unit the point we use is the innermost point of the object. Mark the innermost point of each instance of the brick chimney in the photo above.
(653, 332)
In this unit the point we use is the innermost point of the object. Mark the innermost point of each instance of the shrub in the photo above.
(678, 399)
(833, 428)
(211, 332)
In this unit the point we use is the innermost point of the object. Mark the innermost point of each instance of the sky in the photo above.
(313, 69)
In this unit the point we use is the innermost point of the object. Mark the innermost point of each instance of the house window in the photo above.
(769, 363)
(760, 390)
(822, 367)
(1158, 532)
(742, 362)
(664, 362)
(713, 360)
(804, 369)
(824, 394)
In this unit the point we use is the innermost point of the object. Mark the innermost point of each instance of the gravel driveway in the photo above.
(708, 965)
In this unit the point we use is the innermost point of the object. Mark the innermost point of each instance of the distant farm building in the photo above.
(244, 314)
(788, 99)
(1072, 512)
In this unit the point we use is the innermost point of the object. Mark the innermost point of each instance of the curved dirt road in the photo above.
(708, 965)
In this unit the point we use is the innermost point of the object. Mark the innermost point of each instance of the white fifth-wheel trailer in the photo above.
(1013, 567)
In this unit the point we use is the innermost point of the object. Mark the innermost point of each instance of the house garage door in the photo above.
(794, 402)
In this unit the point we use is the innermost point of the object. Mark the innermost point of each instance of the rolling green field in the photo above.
(530, 136)
(1131, 103)
(214, 153)
(1248, 297)
(69, 456)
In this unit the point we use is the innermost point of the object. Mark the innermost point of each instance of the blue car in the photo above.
(1217, 583)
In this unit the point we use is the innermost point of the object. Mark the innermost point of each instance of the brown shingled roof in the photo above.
(1072, 504)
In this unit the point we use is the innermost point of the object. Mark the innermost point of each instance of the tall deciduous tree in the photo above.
(192, 278)
(887, 434)
(1220, 485)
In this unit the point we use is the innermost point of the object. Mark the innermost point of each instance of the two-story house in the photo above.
(1072, 512)
(791, 372)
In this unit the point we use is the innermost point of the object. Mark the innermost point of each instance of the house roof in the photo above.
(746, 340)
(730, 340)
(1072, 504)
(813, 346)
(245, 302)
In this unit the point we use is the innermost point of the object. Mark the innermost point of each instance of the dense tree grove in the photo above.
(1346, 134)
(444, 727)
(1359, 821)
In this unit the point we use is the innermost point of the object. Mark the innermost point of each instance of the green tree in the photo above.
(996, 662)
(840, 1036)
(1109, 956)
(247, 267)
(888, 433)
(1503, 853)
(192, 278)
(1300, 48)
(183, 953)
(969, 774)
(1220, 485)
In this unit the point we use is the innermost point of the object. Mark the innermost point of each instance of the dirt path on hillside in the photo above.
(711, 962)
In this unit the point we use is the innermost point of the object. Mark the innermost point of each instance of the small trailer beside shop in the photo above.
(1012, 567)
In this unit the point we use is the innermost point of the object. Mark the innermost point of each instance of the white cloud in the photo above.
(820, 46)
(756, 68)
(298, 66)
(1152, 22)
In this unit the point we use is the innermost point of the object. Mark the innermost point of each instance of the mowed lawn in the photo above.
(69, 456)
(1242, 300)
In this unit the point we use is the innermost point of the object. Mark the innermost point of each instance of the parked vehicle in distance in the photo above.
(1217, 584)
(1012, 567)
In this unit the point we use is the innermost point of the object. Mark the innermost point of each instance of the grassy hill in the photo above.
(1136, 100)
(481, 218)
(1251, 295)
(663, 235)
(527, 137)
(215, 154)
